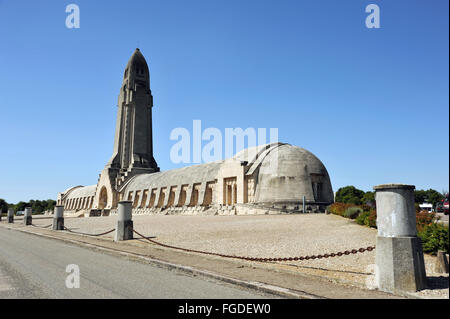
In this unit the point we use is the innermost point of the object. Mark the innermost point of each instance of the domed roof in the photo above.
(287, 153)
(287, 173)
(252, 154)
(84, 191)
(65, 192)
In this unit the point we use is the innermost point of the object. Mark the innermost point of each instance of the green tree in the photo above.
(20, 206)
(434, 196)
(420, 196)
(50, 204)
(37, 206)
(368, 198)
(430, 196)
(349, 195)
(3, 206)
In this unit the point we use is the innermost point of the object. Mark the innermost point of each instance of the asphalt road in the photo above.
(35, 267)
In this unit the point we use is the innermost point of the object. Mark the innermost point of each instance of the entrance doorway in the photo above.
(103, 199)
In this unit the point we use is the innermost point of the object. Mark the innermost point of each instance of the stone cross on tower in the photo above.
(133, 145)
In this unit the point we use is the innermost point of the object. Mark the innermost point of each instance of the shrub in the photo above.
(362, 218)
(434, 237)
(423, 219)
(353, 212)
(417, 207)
(366, 208)
(339, 208)
(371, 220)
(368, 218)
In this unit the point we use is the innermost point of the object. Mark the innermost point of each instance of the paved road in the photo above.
(35, 267)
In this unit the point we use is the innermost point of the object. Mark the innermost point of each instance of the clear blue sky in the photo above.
(372, 104)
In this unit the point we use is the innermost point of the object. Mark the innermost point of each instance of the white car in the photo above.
(426, 206)
(19, 213)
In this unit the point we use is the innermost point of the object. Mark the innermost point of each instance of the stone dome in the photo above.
(287, 173)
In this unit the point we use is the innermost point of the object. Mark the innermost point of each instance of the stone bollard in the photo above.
(124, 227)
(58, 218)
(10, 215)
(399, 255)
(27, 216)
(441, 266)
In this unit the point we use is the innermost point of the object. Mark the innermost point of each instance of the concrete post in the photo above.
(441, 265)
(304, 205)
(58, 218)
(124, 226)
(27, 217)
(399, 254)
(10, 215)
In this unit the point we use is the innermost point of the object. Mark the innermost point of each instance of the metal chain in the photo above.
(330, 255)
(75, 232)
(41, 226)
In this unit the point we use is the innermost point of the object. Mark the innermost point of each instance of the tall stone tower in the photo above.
(133, 143)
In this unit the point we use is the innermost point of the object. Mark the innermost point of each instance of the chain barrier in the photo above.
(75, 232)
(329, 255)
(41, 226)
(258, 259)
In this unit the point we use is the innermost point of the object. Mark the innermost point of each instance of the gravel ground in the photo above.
(270, 236)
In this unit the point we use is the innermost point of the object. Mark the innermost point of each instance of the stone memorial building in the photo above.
(269, 178)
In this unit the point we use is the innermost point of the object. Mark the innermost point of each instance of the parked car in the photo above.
(426, 206)
(445, 206)
(20, 213)
(439, 207)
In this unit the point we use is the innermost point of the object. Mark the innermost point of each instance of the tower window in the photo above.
(139, 70)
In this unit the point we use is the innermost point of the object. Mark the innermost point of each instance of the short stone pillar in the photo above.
(10, 215)
(399, 255)
(58, 218)
(441, 265)
(124, 226)
(27, 219)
